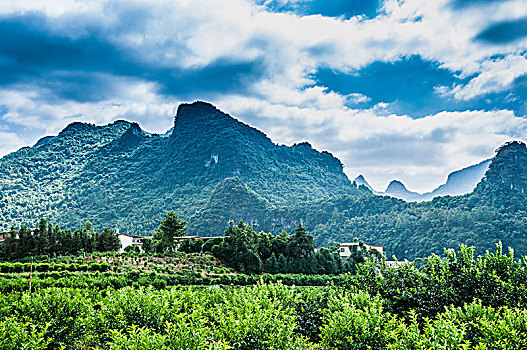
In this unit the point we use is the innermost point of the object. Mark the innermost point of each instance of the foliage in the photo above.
(356, 321)
(495, 279)
(15, 335)
(120, 176)
(169, 229)
(263, 316)
(251, 252)
(49, 240)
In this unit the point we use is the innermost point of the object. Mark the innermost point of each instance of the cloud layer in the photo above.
(397, 89)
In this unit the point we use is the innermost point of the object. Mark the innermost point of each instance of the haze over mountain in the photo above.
(458, 183)
(213, 169)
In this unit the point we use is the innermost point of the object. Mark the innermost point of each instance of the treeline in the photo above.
(251, 252)
(242, 248)
(53, 241)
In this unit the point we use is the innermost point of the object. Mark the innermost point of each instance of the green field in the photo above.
(457, 302)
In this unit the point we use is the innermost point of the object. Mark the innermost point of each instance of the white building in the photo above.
(128, 240)
(345, 249)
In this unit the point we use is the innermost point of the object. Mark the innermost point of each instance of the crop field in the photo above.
(457, 302)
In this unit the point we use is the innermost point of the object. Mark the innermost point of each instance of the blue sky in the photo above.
(397, 89)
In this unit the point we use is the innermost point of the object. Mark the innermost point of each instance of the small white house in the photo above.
(128, 240)
(345, 249)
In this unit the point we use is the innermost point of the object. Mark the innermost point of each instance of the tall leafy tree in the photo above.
(169, 228)
(301, 245)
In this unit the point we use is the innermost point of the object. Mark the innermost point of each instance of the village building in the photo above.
(128, 240)
(346, 249)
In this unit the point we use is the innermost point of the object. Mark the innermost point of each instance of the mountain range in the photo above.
(212, 168)
(458, 183)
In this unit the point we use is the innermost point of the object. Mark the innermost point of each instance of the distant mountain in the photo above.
(398, 190)
(361, 181)
(459, 182)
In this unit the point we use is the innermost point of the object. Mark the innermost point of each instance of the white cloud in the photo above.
(29, 110)
(195, 33)
(10, 142)
(496, 76)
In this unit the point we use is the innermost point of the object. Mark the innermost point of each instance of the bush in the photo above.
(356, 321)
(15, 335)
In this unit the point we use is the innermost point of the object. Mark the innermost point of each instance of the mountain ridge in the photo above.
(213, 168)
(118, 175)
(459, 182)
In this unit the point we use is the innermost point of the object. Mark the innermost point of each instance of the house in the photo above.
(346, 249)
(128, 240)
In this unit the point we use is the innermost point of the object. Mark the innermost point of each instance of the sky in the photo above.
(396, 89)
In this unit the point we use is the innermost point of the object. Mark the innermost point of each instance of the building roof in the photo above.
(133, 236)
(199, 237)
(357, 243)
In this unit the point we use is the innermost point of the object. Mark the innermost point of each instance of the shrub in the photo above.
(356, 321)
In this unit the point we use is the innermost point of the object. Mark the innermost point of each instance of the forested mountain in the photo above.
(212, 169)
(494, 211)
(120, 176)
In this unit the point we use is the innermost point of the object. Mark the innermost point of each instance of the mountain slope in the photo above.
(493, 212)
(461, 181)
(398, 190)
(212, 168)
(361, 181)
(120, 176)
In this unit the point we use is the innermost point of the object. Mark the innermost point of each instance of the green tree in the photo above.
(301, 244)
(271, 264)
(169, 228)
(148, 246)
(282, 265)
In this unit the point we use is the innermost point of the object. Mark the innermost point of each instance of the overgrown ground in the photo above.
(458, 302)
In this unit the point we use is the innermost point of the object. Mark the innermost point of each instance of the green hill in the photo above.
(495, 211)
(120, 176)
(212, 169)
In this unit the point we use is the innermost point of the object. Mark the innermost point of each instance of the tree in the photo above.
(110, 240)
(239, 249)
(271, 264)
(301, 245)
(169, 228)
(281, 265)
(148, 246)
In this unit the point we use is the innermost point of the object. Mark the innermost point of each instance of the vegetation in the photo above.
(52, 241)
(122, 177)
(169, 229)
(457, 302)
(251, 252)
(494, 212)
(213, 169)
